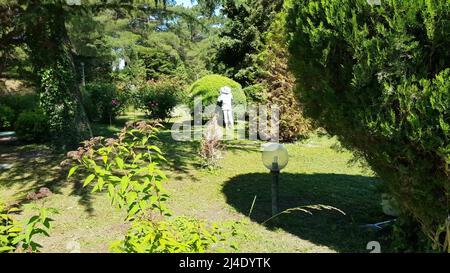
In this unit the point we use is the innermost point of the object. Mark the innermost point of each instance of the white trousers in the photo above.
(228, 118)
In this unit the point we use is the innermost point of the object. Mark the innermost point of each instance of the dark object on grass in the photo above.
(42, 193)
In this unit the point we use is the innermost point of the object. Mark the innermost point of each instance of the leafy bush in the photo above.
(159, 98)
(256, 93)
(6, 117)
(19, 103)
(178, 235)
(280, 83)
(112, 165)
(378, 77)
(127, 167)
(20, 237)
(32, 126)
(208, 87)
(102, 102)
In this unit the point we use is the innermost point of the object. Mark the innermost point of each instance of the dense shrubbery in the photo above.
(379, 78)
(19, 103)
(208, 87)
(32, 126)
(20, 112)
(159, 98)
(242, 37)
(102, 101)
(256, 93)
(280, 83)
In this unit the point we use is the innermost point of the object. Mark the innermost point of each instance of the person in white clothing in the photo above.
(225, 100)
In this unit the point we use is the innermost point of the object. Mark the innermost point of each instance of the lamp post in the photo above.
(275, 157)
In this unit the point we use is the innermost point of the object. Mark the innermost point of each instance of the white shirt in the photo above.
(226, 100)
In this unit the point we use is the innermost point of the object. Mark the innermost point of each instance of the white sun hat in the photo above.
(225, 90)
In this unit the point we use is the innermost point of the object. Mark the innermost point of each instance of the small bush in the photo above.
(141, 189)
(159, 98)
(178, 235)
(6, 117)
(32, 126)
(256, 93)
(208, 87)
(102, 102)
(210, 150)
(19, 103)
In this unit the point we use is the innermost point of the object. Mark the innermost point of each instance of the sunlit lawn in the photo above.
(316, 174)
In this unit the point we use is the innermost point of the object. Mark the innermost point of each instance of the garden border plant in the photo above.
(127, 167)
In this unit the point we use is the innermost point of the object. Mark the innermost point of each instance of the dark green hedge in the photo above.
(378, 77)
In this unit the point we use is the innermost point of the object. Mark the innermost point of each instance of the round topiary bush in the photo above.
(208, 87)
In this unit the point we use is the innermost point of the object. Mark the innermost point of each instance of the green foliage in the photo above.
(378, 78)
(9, 229)
(20, 237)
(38, 224)
(159, 98)
(51, 54)
(256, 93)
(242, 37)
(6, 117)
(280, 83)
(407, 237)
(32, 126)
(20, 103)
(102, 101)
(178, 235)
(127, 168)
(208, 87)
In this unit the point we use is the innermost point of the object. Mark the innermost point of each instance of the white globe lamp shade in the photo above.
(274, 156)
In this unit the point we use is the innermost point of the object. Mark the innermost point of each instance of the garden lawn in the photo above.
(316, 174)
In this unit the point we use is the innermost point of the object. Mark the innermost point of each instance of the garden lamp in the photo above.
(275, 157)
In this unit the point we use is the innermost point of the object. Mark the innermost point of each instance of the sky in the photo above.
(186, 3)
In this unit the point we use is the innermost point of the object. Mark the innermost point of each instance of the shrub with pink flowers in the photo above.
(158, 98)
(102, 102)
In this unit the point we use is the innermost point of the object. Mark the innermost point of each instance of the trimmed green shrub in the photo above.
(102, 102)
(159, 98)
(32, 126)
(6, 117)
(378, 77)
(208, 87)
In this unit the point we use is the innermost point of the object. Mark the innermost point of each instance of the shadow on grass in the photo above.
(183, 155)
(355, 195)
(34, 167)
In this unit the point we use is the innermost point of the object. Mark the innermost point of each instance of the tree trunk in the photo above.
(52, 58)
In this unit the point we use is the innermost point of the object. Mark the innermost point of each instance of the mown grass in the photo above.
(316, 174)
